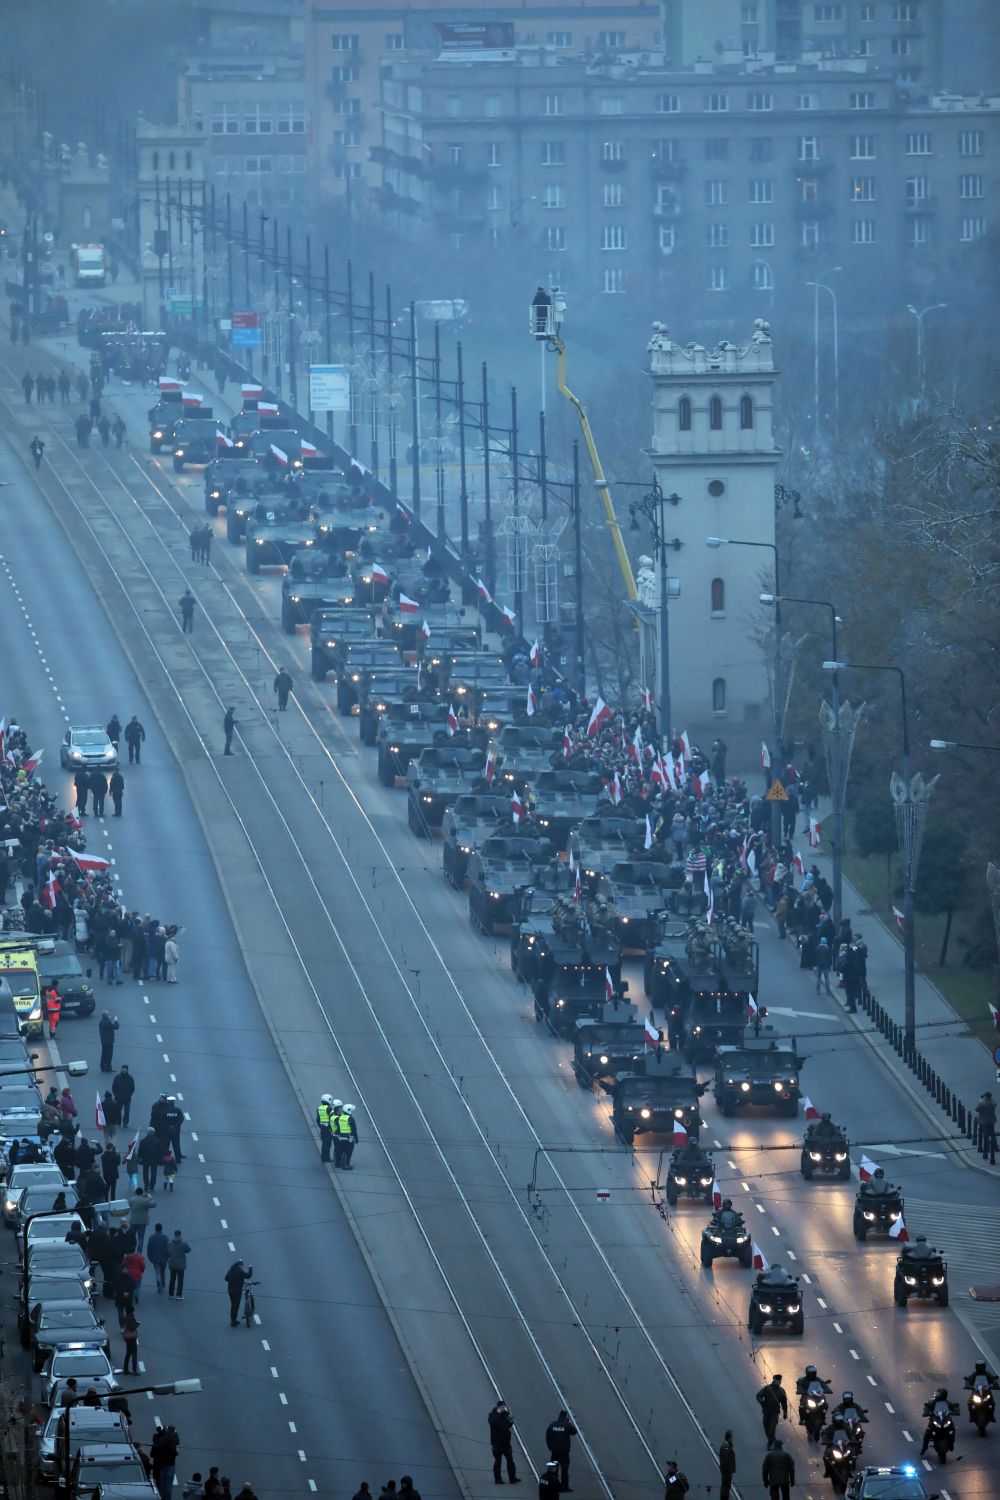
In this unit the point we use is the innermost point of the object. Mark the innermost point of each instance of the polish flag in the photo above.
(751, 862)
(710, 899)
(567, 744)
(379, 575)
(609, 985)
(657, 773)
(898, 1231)
(92, 862)
(685, 745)
(30, 766)
(648, 841)
(489, 769)
(508, 615)
(535, 656)
(452, 720)
(267, 408)
(576, 887)
(651, 1034)
(485, 597)
(573, 862)
(815, 829)
(222, 440)
(598, 718)
(680, 1134)
(49, 893)
(760, 1261)
(995, 1014)
(811, 1112)
(866, 1168)
(753, 1009)
(670, 770)
(765, 756)
(280, 455)
(420, 677)
(900, 919)
(167, 383)
(99, 1119)
(532, 702)
(701, 784)
(647, 700)
(407, 606)
(616, 791)
(251, 392)
(309, 450)
(797, 863)
(742, 856)
(517, 808)
(425, 630)
(624, 739)
(635, 749)
(190, 399)
(75, 823)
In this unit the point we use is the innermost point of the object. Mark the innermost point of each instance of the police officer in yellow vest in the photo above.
(326, 1114)
(345, 1137)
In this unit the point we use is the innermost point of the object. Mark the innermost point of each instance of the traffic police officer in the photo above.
(559, 1436)
(345, 1138)
(326, 1111)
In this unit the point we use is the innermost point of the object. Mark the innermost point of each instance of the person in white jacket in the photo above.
(171, 954)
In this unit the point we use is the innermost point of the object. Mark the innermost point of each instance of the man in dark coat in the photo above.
(123, 1087)
(501, 1430)
(117, 788)
(778, 1472)
(559, 1437)
(98, 790)
(134, 736)
(106, 1028)
(727, 1465)
(82, 783)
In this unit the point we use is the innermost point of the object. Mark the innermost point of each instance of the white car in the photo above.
(88, 1366)
(29, 1174)
(87, 746)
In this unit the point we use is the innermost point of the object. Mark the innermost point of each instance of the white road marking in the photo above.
(775, 1231)
(201, 1156)
(890, 1408)
(292, 1427)
(806, 1279)
(907, 1436)
(821, 1302)
(838, 1327)
(854, 1354)
(282, 1398)
(226, 1226)
(274, 1371)
(809, 1015)
(745, 1186)
(312, 1485)
(888, 1149)
(871, 1380)
(302, 1455)
(263, 1343)
(209, 1181)
(791, 1255)
(217, 1203)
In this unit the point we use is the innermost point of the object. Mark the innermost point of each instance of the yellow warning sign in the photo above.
(776, 792)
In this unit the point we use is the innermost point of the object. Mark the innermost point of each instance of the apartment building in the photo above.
(251, 109)
(719, 188)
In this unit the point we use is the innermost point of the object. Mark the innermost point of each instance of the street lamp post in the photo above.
(910, 796)
(651, 506)
(816, 285)
(920, 314)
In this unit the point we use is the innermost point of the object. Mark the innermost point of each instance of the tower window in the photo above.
(718, 596)
(715, 413)
(684, 414)
(746, 413)
(719, 695)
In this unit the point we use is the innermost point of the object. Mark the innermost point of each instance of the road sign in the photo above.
(245, 331)
(181, 307)
(329, 388)
(776, 792)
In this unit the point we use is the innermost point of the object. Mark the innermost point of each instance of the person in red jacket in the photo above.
(134, 1265)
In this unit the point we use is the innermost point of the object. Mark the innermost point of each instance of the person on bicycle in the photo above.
(236, 1279)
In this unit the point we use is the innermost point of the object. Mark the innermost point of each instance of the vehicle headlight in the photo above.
(937, 1280)
(728, 1080)
(681, 1181)
(869, 1215)
(815, 1156)
(178, 452)
(494, 895)
(394, 750)
(976, 1398)
(157, 435)
(840, 1156)
(910, 1280)
(36, 1012)
(560, 1004)
(427, 798)
(604, 1060)
(716, 1239)
(811, 1402)
(696, 1031)
(10, 1204)
(76, 754)
(764, 1307)
(706, 1181)
(464, 849)
(259, 540)
(792, 1082)
(745, 1088)
(645, 1113)
(793, 1307)
(624, 921)
(294, 598)
(778, 1087)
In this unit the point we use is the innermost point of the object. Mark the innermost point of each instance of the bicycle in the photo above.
(249, 1303)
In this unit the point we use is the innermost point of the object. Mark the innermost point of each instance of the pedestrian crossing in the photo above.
(969, 1239)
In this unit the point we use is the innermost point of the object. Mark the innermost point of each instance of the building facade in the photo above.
(713, 447)
(169, 183)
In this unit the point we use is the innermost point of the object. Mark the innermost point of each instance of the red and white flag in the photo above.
(898, 1231)
(576, 886)
(815, 829)
(797, 863)
(765, 756)
(485, 597)
(407, 606)
(648, 841)
(609, 984)
(267, 408)
(92, 862)
(995, 1014)
(535, 656)
(49, 894)
(452, 720)
(709, 903)
(251, 391)
(811, 1112)
(280, 455)
(599, 717)
(751, 862)
(379, 575)
(425, 631)
(701, 784)
(647, 700)
(489, 769)
(685, 745)
(190, 399)
(866, 1168)
(99, 1119)
(680, 1134)
(167, 383)
(670, 771)
(508, 615)
(572, 860)
(222, 439)
(309, 450)
(657, 772)
(616, 791)
(760, 1261)
(753, 1009)
(567, 744)
(30, 766)
(900, 919)
(651, 1034)
(531, 703)
(420, 677)
(635, 749)
(516, 808)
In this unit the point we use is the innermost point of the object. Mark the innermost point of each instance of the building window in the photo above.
(761, 190)
(867, 14)
(454, 154)
(552, 104)
(611, 104)
(761, 149)
(918, 231)
(665, 151)
(225, 121)
(746, 408)
(808, 190)
(717, 104)
(553, 153)
(492, 105)
(863, 232)
(762, 277)
(715, 413)
(717, 236)
(612, 195)
(668, 104)
(684, 414)
(345, 73)
(614, 237)
(718, 278)
(718, 695)
(453, 106)
(494, 154)
(394, 41)
(748, 15)
(900, 46)
(916, 190)
(171, 161)
(257, 164)
(862, 99)
(863, 190)
(716, 192)
(918, 143)
(761, 236)
(349, 171)
(808, 148)
(494, 199)
(717, 150)
(612, 280)
(554, 195)
(905, 11)
(668, 239)
(718, 596)
(809, 234)
(970, 143)
(559, 39)
(828, 14)
(347, 139)
(807, 101)
(611, 41)
(970, 185)
(865, 47)
(343, 43)
(555, 237)
(972, 229)
(862, 148)
(292, 164)
(612, 151)
(760, 102)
